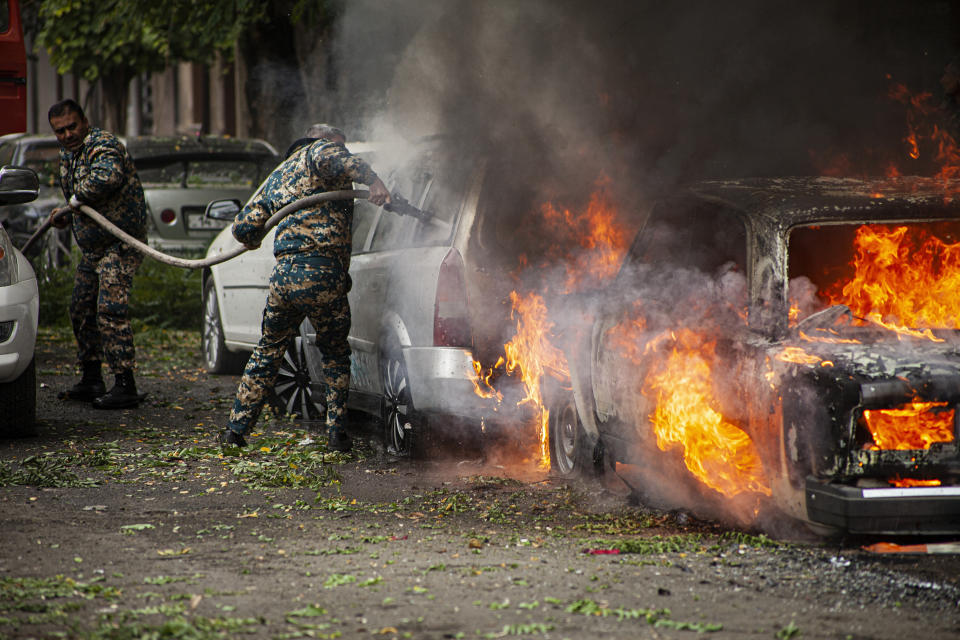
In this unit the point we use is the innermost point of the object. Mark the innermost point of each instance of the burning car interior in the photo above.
(784, 347)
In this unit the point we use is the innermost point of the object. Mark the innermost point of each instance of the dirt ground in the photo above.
(133, 524)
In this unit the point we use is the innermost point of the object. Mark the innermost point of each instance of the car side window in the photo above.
(393, 232)
(442, 198)
(702, 238)
(364, 215)
(6, 154)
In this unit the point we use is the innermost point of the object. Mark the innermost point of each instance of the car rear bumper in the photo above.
(908, 510)
(441, 381)
(19, 305)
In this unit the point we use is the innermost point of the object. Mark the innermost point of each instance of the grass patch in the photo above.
(163, 296)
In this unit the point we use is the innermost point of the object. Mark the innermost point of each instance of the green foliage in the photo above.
(56, 286)
(162, 297)
(42, 471)
(166, 297)
(128, 37)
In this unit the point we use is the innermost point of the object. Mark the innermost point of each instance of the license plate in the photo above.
(197, 221)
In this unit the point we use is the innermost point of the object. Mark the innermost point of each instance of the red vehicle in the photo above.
(13, 70)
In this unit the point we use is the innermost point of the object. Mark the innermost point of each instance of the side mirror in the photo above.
(222, 209)
(18, 185)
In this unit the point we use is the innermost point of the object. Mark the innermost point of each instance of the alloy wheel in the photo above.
(397, 407)
(293, 387)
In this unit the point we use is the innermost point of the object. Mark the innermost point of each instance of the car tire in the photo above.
(403, 428)
(216, 357)
(18, 405)
(293, 392)
(570, 452)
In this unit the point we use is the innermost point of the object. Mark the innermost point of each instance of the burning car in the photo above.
(779, 343)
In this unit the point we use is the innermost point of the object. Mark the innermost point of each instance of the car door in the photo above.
(372, 271)
(246, 281)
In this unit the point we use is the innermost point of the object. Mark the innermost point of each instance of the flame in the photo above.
(830, 340)
(903, 277)
(589, 245)
(600, 240)
(913, 482)
(915, 425)
(531, 355)
(717, 452)
(798, 356)
(923, 115)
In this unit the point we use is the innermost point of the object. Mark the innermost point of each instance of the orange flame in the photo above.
(590, 246)
(915, 425)
(530, 353)
(717, 452)
(913, 482)
(903, 277)
(798, 356)
(601, 240)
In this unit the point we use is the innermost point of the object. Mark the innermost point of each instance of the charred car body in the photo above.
(785, 342)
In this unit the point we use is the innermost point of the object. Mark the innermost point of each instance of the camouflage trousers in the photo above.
(99, 306)
(301, 287)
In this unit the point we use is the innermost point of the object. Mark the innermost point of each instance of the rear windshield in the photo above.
(212, 173)
(900, 274)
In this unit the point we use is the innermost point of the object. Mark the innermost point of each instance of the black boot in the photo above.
(338, 440)
(230, 438)
(122, 396)
(90, 386)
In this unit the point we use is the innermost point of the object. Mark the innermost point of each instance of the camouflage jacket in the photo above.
(324, 229)
(101, 174)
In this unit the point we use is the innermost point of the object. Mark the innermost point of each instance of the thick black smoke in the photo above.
(647, 93)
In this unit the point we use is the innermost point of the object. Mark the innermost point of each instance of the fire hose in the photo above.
(185, 263)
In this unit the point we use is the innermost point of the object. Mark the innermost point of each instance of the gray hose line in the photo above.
(185, 263)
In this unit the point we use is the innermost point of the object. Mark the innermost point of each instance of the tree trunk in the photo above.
(115, 97)
(274, 86)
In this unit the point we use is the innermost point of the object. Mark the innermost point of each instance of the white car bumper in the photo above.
(441, 380)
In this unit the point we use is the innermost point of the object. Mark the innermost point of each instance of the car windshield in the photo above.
(210, 172)
(896, 276)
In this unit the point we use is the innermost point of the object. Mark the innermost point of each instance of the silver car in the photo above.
(180, 175)
(421, 303)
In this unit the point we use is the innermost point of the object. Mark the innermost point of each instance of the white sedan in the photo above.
(19, 310)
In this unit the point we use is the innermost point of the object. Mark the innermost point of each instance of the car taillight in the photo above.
(168, 216)
(451, 322)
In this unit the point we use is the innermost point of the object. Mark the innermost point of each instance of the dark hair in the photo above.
(63, 107)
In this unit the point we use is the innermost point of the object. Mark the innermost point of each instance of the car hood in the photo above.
(897, 370)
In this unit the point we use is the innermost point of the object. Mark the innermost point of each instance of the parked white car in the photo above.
(420, 290)
(19, 311)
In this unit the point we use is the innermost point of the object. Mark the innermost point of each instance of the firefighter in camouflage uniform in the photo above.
(96, 170)
(310, 278)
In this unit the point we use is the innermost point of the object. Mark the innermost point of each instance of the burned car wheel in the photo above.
(402, 427)
(216, 357)
(570, 452)
(293, 392)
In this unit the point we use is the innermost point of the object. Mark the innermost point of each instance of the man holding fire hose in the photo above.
(96, 170)
(310, 278)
